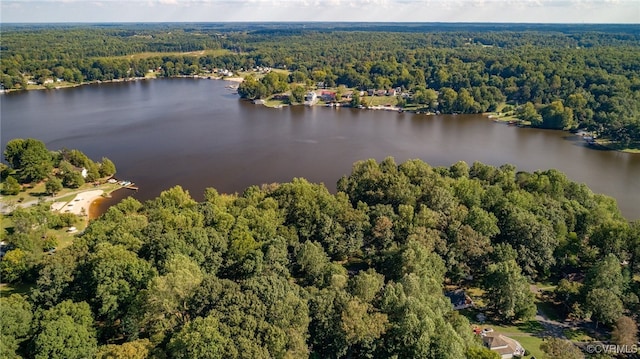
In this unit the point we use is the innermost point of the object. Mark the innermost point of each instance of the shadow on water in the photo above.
(581, 142)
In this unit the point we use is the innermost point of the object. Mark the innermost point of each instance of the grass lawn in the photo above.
(379, 100)
(634, 147)
(476, 295)
(531, 345)
(281, 71)
(146, 55)
(275, 103)
(578, 335)
(65, 238)
(36, 191)
(525, 333)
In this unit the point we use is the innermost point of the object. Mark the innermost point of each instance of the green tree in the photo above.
(313, 264)
(557, 116)
(465, 103)
(528, 112)
(606, 274)
(15, 324)
(604, 305)
(556, 348)
(72, 179)
(13, 152)
(137, 349)
(65, 331)
(14, 265)
(361, 324)
(93, 171)
(355, 99)
(298, 93)
(508, 291)
(200, 338)
(478, 352)
(31, 158)
(447, 100)
(251, 88)
(117, 275)
(580, 106)
(430, 98)
(107, 168)
(53, 185)
(11, 186)
(366, 285)
(55, 278)
(167, 296)
(326, 334)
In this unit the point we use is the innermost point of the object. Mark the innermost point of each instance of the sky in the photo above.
(513, 11)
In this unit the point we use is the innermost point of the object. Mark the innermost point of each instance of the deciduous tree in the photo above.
(560, 348)
(508, 291)
(65, 331)
(625, 332)
(53, 185)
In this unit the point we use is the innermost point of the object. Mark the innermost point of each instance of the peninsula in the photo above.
(64, 182)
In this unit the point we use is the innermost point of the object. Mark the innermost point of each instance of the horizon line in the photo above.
(321, 22)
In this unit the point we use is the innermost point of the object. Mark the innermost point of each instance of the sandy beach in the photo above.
(81, 201)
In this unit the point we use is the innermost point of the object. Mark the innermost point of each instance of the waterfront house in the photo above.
(328, 96)
(311, 98)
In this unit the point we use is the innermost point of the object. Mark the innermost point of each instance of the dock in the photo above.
(125, 184)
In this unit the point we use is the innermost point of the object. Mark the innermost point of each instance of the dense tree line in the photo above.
(29, 161)
(569, 76)
(292, 271)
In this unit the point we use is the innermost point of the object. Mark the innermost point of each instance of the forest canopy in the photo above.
(292, 271)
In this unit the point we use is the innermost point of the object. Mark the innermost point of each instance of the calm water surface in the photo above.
(197, 134)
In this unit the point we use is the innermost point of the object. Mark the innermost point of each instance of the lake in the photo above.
(198, 134)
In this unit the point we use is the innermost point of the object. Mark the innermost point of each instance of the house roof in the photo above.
(495, 342)
(457, 297)
(502, 344)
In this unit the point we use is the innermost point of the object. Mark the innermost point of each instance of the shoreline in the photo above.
(81, 203)
(494, 116)
(93, 210)
(131, 79)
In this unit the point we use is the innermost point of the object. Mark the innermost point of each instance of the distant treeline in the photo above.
(569, 76)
